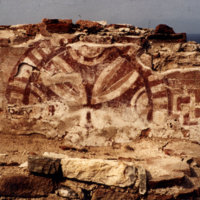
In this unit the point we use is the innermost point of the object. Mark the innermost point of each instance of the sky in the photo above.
(182, 15)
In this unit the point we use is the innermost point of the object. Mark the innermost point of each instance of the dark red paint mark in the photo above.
(187, 120)
(51, 109)
(181, 100)
(197, 112)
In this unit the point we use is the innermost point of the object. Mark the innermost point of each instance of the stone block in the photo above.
(67, 193)
(166, 181)
(173, 38)
(163, 29)
(43, 165)
(142, 179)
(99, 171)
(90, 25)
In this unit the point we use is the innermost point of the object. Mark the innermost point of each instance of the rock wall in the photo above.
(96, 84)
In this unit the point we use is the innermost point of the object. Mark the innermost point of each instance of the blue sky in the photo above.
(182, 15)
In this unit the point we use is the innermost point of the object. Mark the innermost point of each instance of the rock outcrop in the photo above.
(164, 33)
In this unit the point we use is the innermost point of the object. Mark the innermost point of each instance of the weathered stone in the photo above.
(24, 165)
(67, 193)
(166, 181)
(54, 155)
(128, 39)
(147, 60)
(164, 33)
(91, 26)
(104, 23)
(160, 197)
(179, 37)
(181, 148)
(73, 147)
(143, 180)
(99, 171)
(32, 30)
(4, 42)
(22, 186)
(105, 194)
(79, 187)
(58, 26)
(163, 29)
(44, 165)
(167, 60)
(118, 26)
(187, 194)
(97, 39)
(19, 40)
(190, 47)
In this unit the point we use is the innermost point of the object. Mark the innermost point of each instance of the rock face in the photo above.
(99, 171)
(22, 186)
(96, 84)
(164, 33)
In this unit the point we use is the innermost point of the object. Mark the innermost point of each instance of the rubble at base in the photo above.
(157, 175)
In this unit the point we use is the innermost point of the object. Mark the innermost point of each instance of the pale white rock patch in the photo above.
(54, 155)
(24, 165)
(67, 193)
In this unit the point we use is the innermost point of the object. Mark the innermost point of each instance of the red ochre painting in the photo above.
(97, 94)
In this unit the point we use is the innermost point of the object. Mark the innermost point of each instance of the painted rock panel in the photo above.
(96, 94)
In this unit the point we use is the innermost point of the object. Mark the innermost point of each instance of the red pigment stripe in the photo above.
(33, 59)
(12, 88)
(45, 90)
(163, 106)
(155, 82)
(27, 92)
(159, 94)
(47, 57)
(42, 53)
(36, 95)
(60, 66)
(139, 97)
(22, 79)
(181, 100)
